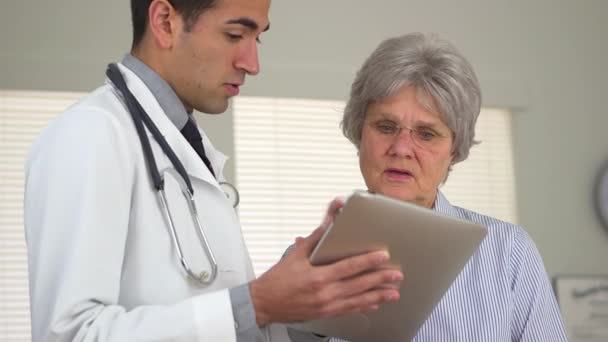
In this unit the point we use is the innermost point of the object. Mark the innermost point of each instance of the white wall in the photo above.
(545, 59)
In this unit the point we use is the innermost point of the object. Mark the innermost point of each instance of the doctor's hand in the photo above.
(294, 290)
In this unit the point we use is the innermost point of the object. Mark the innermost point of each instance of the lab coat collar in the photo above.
(184, 151)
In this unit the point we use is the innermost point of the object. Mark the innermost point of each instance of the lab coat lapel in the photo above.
(186, 154)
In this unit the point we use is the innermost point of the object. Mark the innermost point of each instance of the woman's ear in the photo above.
(453, 155)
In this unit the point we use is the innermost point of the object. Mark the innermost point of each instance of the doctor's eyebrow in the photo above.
(247, 22)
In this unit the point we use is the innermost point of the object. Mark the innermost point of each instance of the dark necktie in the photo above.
(191, 133)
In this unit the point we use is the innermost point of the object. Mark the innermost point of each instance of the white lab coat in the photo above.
(102, 265)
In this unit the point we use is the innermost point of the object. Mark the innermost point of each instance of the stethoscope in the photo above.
(178, 172)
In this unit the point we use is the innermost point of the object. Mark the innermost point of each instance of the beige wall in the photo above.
(545, 59)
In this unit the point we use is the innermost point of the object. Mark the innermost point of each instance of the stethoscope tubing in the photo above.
(141, 118)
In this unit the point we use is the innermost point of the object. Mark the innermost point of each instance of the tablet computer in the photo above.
(430, 248)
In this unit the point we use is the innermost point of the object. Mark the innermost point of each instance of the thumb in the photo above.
(332, 210)
(309, 243)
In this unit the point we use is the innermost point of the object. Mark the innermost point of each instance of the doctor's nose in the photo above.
(248, 60)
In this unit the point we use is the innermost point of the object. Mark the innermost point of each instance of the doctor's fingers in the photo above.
(362, 302)
(358, 264)
(385, 281)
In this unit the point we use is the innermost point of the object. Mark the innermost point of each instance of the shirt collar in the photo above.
(162, 91)
(443, 206)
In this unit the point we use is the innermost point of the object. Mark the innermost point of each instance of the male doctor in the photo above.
(102, 262)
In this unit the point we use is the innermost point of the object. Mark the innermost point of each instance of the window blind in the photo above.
(292, 159)
(290, 162)
(22, 115)
(485, 181)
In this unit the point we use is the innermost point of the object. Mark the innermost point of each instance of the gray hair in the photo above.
(443, 77)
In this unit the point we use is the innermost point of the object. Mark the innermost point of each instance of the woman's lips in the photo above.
(398, 174)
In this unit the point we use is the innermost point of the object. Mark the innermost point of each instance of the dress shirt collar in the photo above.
(162, 91)
(443, 206)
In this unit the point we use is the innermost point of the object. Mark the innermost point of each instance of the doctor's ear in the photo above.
(164, 23)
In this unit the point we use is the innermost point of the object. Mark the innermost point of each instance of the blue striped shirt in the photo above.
(502, 294)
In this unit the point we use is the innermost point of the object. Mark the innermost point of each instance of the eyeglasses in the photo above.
(423, 137)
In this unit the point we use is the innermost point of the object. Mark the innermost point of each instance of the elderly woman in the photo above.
(411, 115)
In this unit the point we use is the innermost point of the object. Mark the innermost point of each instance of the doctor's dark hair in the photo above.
(444, 79)
(190, 10)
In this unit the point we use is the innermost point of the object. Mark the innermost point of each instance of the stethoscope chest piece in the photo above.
(205, 277)
(231, 193)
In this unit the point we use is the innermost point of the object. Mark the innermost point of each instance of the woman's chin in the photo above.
(414, 198)
(398, 194)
